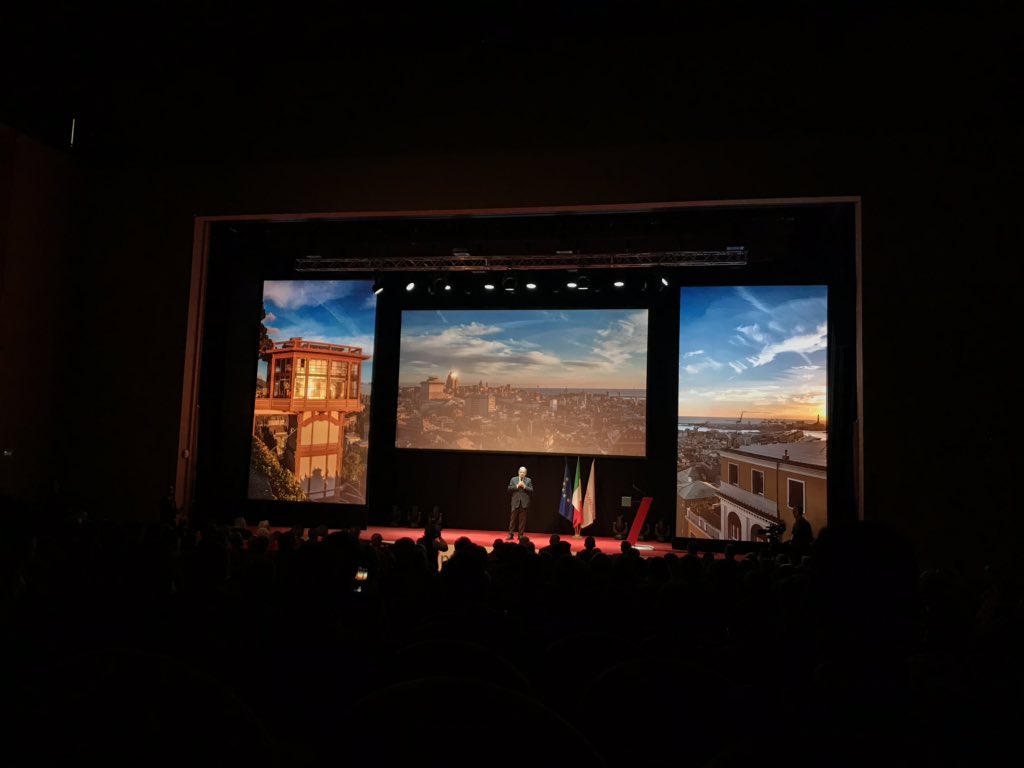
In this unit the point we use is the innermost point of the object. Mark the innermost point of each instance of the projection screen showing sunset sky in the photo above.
(760, 351)
(524, 381)
(752, 431)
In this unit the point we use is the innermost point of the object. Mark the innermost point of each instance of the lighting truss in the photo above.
(728, 257)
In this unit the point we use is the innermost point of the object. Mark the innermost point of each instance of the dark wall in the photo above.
(40, 195)
(938, 219)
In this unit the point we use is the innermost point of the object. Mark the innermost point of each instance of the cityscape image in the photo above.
(752, 431)
(528, 381)
(312, 396)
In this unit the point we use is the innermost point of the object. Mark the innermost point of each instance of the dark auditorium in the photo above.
(510, 384)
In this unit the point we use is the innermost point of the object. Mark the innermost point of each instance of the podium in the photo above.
(638, 522)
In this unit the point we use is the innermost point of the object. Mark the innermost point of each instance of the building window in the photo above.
(353, 381)
(316, 389)
(795, 493)
(734, 529)
(757, 481)
(734, 474)
(300, 377)
(339, 374)
(283, 377)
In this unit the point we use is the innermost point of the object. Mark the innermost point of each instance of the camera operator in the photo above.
(802, 536)
(773, 533)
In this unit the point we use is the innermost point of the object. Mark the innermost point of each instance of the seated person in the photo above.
(242, 528)
(661, 531)
(436, 518)
(589, 548)
(434, 544)
(554, 546)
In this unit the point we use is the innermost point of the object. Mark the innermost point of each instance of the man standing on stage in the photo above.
(520, 487)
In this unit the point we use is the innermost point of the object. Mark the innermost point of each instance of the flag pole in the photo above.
(576, 532)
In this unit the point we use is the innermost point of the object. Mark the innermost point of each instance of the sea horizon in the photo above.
(621, 391)
(734, 420)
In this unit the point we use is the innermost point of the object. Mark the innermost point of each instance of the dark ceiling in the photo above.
(203, 78)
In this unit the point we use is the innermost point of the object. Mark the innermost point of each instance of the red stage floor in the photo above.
(486, 539)
(606, 544)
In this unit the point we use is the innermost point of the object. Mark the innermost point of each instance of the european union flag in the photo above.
(565, 506)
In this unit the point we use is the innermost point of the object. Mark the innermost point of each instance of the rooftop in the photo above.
(752, 502)
(813, 453)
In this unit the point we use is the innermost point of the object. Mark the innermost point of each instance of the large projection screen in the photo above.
(570, 381)
(312, 392)
(752, 431)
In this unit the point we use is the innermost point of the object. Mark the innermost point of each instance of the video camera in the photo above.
(774, 532)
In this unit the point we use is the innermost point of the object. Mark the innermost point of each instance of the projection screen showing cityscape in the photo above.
(528, 381)
(312, 399)
(752, 432)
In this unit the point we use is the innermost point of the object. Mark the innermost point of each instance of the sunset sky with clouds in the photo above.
(527, 348)
(759, 349)
(332, 311)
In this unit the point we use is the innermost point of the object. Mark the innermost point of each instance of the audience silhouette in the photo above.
(144, 642)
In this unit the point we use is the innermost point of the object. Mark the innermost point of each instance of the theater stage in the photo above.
(606, 544)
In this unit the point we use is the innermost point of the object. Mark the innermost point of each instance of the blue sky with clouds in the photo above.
(758, 349)
(333, 311)
(527, 348)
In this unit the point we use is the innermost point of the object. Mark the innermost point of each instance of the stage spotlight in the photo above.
(488, 286)
(509, 283)
(410, 286)
(378, 287)
(619, 284)
(583, 283)
(531, 286)
(571, 284)
(664, 281)
(439, 284)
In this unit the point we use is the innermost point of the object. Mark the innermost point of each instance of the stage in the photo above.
(606, 544)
